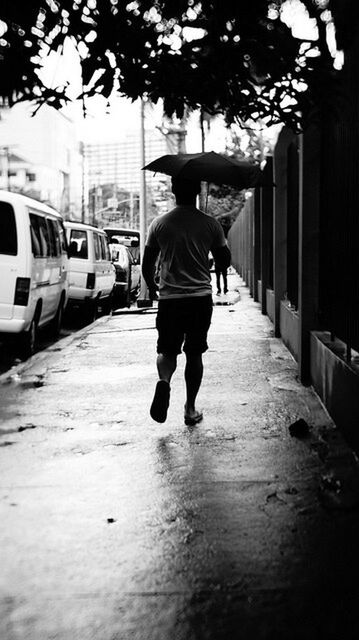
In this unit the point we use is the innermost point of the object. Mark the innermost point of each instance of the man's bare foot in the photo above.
(192, 416)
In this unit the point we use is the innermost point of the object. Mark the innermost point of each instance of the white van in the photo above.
(33, 268)
(91, 272)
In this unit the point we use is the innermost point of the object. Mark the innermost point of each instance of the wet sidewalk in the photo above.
(117, 528)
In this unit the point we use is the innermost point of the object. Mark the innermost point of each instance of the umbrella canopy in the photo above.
(208, 167)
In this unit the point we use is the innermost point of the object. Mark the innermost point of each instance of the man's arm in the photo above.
(148, 270)
(222, 257)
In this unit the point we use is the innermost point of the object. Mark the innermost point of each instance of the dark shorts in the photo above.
(183, 321)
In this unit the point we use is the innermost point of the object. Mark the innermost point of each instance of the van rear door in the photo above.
(8, 259)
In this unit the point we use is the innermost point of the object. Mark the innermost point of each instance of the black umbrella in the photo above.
(208, 167)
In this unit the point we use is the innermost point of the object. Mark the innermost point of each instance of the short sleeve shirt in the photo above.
(184, 237)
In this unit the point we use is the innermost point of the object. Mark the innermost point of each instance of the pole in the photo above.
(7, 155)
(203, 196)
(131, 209)
(143, 299)
(82, 153)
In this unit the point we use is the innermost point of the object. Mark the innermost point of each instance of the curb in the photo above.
(37, 358)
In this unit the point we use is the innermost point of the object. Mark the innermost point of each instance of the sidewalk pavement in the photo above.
(117, 528)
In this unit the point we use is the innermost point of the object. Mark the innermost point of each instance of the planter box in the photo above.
(337, 384)
(289, 327)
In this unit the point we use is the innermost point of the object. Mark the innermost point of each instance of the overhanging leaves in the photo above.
(236, 58)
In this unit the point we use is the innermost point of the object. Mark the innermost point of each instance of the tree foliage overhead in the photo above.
(235, 57)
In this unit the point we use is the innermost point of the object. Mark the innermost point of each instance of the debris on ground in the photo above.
(27, 426)
(299, 428)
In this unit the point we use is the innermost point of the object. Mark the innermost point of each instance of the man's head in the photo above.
(185, 191)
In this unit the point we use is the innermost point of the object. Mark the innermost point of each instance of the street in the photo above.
(115, 527)
(73, 322)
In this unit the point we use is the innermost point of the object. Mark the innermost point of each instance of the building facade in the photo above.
(41, 156)
(116, 167)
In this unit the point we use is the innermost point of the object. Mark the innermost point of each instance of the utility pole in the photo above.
(83, 208)
(143, 299)
(204, 186)
(182, 132)
(131, 209)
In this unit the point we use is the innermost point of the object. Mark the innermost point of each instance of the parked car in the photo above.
(128, 274)
(91, 272)
(128, 237)
(33, 268)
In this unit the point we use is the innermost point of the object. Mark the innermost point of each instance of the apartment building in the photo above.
(40, 156)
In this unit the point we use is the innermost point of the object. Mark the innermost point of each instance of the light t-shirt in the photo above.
(185, 236)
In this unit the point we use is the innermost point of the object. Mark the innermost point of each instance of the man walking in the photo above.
(183, 238)
(221, 271)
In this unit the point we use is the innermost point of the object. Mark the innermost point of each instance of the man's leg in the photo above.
(170, 338)
(166, 366)
(198, 323)
(193, 376)
(225, 284)
(218, 279)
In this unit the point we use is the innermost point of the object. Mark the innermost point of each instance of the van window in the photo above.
(122, 257)
(54, 237)
(8, 235)
(97, 246)
(105, 252)
(44, 236)
(78, 247)
(62, 235)
(37, 245)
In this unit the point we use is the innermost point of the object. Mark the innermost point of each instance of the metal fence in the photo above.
(339, 223)
(241, 240)
(292, 222)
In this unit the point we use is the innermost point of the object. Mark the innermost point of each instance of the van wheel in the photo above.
(108, 304)
(90, 311)
(57, 321)
(128, 296)
(119, 299)
(29, 340)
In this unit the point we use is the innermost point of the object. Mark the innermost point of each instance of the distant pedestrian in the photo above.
(183, 238)
(220, 270)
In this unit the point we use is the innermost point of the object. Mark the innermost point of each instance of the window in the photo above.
(62, 236)
(31, 177)
(105, 252)
(8, 235)
(35, 235)
(120, 256)
(54, 237)
(78, 244)
(97, 246)
(44, 237)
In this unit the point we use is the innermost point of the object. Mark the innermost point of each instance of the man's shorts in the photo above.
(183, 321)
